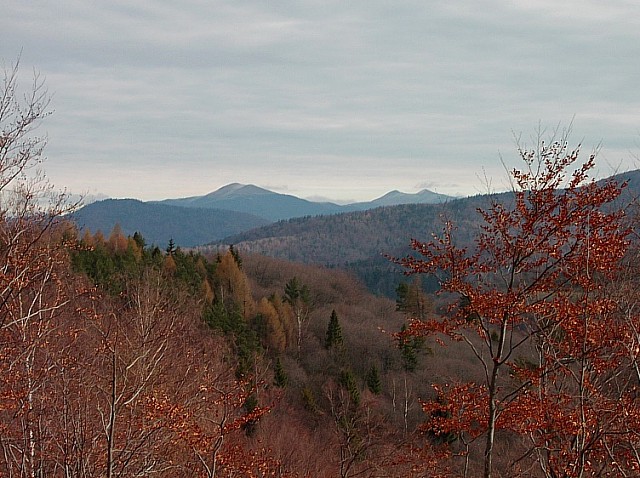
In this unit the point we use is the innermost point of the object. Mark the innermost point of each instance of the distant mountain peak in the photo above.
(394, 193)
(396, 197)
(234, 190)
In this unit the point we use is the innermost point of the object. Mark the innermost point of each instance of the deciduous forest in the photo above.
(121, 358)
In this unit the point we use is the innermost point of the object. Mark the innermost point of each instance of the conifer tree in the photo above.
(139, 239)
(334, 332)
(280, 378)
(171, 248)
(373, 380)
(348, 381)
(409, 348)
(236, 256)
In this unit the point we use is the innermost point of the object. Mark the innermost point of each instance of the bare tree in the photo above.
(32, 270)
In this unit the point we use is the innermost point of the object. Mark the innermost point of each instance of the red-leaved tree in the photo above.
(531, 299)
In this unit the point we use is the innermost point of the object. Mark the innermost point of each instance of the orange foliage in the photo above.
(535, 309)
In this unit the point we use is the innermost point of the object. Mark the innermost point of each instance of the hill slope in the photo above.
(359, 240)
(258, 201)
(160, 222)
(276, 207)
(396, 198)
(204, 219)
(344, 238)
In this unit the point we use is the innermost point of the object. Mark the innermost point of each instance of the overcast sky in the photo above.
(338, 99)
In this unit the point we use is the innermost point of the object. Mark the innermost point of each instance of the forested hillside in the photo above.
(120, 358)
(358, 241)
(175, 362)
(161, 222)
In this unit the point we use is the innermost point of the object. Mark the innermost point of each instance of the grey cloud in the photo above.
(291, 92)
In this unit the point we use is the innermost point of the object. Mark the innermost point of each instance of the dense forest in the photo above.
(124, 359)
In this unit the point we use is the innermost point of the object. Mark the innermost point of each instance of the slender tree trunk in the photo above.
(493, 401)
(29, 418)
(491, 425)
(112, 419)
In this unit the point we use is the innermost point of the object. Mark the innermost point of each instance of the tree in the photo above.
(232, 286)
(535, 280)
(356, 426)
(236, 256)
(334, 332)
(409, 345)
(33, 281)
(280, 378)
(373, 380)
(298, 297)
(412, 300)
(171, 247)
(270, 326)
(127, 384)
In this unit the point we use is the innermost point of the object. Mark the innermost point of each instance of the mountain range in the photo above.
(355, 236)
(274, 206)
(359, 241)
(232, 209)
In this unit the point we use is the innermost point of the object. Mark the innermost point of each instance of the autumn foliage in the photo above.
(123, 359)
(533, 301)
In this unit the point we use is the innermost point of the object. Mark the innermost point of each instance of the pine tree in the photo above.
(236, 256)
(171, 248)
(334, 332)
(348, 381)
(139, 239)
(280, 378)
(409, 347)
(373, 380)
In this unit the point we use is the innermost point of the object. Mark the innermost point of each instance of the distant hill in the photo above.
(160, 222)
(275, 206)
(257, 201)
(344, 238)
(358, 240)
(632, 192)
(232, 209)
(354, 236)
(396, 198)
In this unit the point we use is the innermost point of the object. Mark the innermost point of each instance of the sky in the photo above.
(344, 100)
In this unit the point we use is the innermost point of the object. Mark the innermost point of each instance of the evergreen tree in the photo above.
(409, 348)
(348, 381)
(334, 332)
(139, 240)
(402, 291)
(236, 256)
(373, 380)
(280, 378)
(411, 299)
(249, 405)
(171, 248)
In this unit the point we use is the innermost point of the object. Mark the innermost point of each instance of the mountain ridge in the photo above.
(359, 240)
(160, 223)
(275, 206)
(196, 220)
